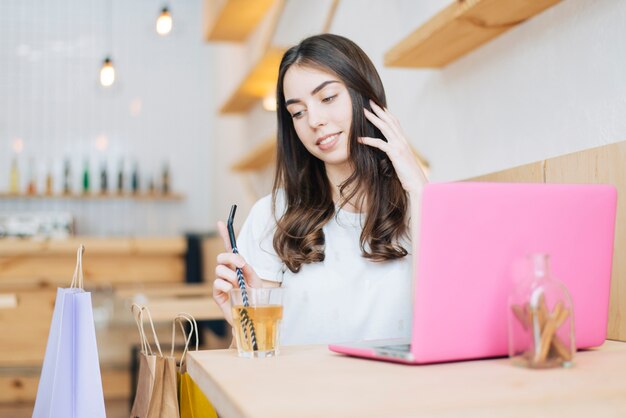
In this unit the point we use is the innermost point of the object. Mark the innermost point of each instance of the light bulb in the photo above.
(107, 73)
(164, 22)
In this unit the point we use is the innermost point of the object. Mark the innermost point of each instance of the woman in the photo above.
(335, 230)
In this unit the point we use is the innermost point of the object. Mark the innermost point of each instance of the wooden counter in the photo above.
(115, 269)
(311, 381)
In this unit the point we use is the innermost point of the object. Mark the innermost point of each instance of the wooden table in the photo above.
(311, 381)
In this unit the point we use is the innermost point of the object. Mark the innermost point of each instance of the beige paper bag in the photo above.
(164, 399)
(147, 365)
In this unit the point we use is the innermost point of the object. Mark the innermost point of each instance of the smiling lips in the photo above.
(327, 141)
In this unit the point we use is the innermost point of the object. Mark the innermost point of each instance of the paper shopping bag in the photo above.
(164, 399)
(147, 365)
(70, 385)
(193, 403)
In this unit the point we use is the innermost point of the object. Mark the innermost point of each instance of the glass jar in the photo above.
(541, 318)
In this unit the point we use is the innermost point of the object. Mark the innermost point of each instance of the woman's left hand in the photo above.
(397, 147)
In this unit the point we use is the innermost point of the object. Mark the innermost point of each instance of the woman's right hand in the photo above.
(226, 275)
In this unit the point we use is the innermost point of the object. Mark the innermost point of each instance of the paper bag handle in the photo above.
(145, 345)
(77, 279)
(194, 328)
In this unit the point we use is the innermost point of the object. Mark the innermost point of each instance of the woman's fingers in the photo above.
(220, 290)
(391, 122)
(383, 126)
(375, 142)
(231, 259)
(225, 273)
(383, 114)
(252, 278)
(220, 296)
(396, 147)
(221, 228)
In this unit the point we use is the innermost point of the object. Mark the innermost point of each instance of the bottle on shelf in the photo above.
(135, 178)
(31, 188)
(49, 180)
(67, 177)
(165, 179)
(151, 187)
(104, 179)
(86, 177)
(120, 178)
(14, 177)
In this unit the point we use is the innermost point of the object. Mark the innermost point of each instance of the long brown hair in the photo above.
(299, 237)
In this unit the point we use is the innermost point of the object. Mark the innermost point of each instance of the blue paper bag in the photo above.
(70, 385)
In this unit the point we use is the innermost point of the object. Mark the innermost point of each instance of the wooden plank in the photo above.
(93, 245)
(21, 386)
(123, 291)
(57, 270)
(164, 246)
(201, 308)
(234, 20)
(25, 327)
(528, 173)
(459, 29)
(166, 302)
(260, 81)
(330, 16)
(602, 165)
(258, 157)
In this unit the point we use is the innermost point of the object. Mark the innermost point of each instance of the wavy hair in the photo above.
(299, 238)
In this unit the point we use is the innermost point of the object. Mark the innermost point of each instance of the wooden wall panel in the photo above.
(606, 164)
(529, 173)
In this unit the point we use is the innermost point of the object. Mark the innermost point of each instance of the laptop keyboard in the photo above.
(397, 347)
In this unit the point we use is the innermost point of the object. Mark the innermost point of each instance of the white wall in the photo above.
(555, 84)
(551, 86)
(50, 53)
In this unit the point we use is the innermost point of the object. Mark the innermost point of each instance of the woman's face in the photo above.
(321, 111)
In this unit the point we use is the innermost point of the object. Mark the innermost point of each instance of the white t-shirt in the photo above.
(344, 298)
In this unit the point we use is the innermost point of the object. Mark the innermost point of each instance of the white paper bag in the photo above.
(70, 385)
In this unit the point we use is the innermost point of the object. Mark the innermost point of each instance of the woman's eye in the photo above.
(297, 115)
(329, 99)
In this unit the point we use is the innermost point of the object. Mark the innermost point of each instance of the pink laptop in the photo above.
(472, 235)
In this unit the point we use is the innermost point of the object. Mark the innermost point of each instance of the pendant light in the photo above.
(107, 71)
(164, 22)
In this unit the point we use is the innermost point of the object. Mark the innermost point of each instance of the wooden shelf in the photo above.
(156, 246)
(258, 158)
(259, 82)
(265, 154)
(142, 196)
(235, 19)
(459, 29)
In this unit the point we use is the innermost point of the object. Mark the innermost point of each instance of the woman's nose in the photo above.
(317, 118)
